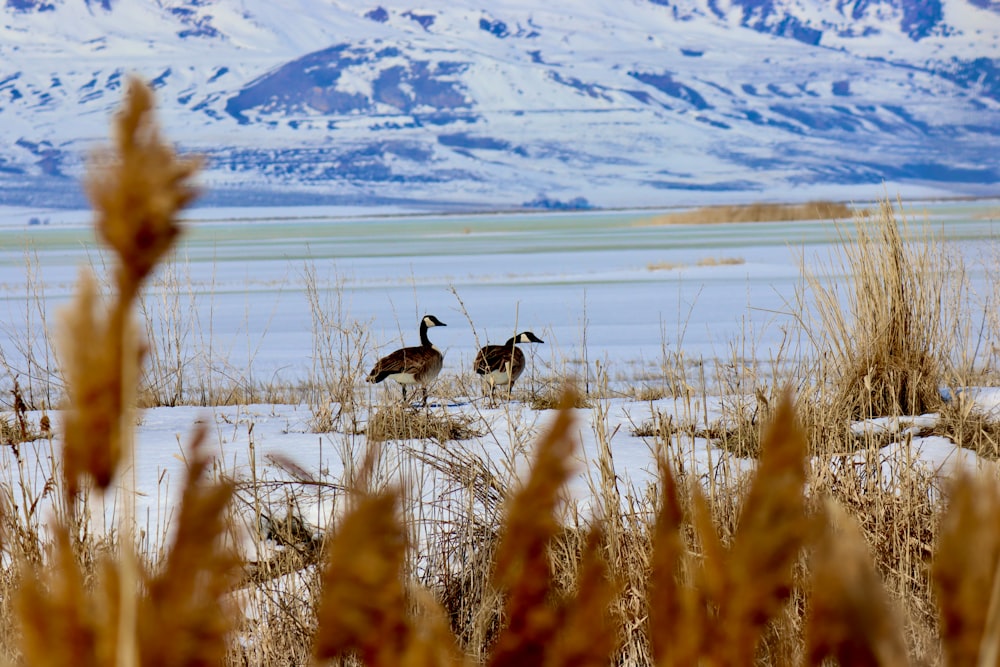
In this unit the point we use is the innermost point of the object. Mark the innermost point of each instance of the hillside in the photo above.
(462, 104)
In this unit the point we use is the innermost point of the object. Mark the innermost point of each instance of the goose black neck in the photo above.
(510, 341)
(424, 340)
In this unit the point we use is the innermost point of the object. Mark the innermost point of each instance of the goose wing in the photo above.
(496, 357)
(404, 360)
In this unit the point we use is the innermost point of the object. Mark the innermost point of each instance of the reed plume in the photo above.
(137, 187)
(721, 613)
(62, 618)
(364, 608)
(851, 618)
(175, 614)
(522, 570)
(186, 613)
(967, 572)
(773, 529)
(676, 617)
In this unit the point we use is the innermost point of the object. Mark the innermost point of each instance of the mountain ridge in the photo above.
(456, 105)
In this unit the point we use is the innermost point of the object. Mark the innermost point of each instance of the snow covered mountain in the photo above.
(463, 103)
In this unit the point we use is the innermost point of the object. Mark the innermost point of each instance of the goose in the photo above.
(412, 365)
(503, 364)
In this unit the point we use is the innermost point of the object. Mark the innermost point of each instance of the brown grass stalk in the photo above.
(364, 608)
(522, 570)
(186, 616)
(587, 635)
(675, 626)
(772, 530)
(737, 590)
(966, 568)
(62, 618)
(172, 614)
(71, 612)
(851, 617)
(137, 189)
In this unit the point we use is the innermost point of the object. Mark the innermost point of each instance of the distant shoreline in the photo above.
(20, 216)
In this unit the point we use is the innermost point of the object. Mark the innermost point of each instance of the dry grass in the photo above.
(721, 261)
(551, 395)
(399, 422)
(851, 619)
(19, 428)
(660, 425)
(665, 266)
(340, 344)
(708, 215)
(966, 573)
(364, 606)
(740, 431)
(718, 610)
(969, 426)
(704, 261)
(888, 349)
(645, 392)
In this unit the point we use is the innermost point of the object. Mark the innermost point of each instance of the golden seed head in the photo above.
(137, 187)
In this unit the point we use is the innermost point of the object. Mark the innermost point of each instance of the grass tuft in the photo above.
(552, 395)
(400, 422)
(889, 345)
(966, 424)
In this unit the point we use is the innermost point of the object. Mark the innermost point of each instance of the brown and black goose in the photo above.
(503, 364)
(412, 365)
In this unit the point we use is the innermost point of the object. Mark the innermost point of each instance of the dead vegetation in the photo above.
(704, 261)
(403, 422)
(970, 426)
(19, 428)
(759, 212)
(888, 350)
(550, 397)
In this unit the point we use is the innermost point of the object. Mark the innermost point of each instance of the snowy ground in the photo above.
(583, 282)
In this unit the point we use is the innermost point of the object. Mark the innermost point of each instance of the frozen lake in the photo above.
(601, 286)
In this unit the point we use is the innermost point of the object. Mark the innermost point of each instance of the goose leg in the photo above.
(493, 391)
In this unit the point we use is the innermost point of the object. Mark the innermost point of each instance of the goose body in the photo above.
(503, 364)
(419, 364)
